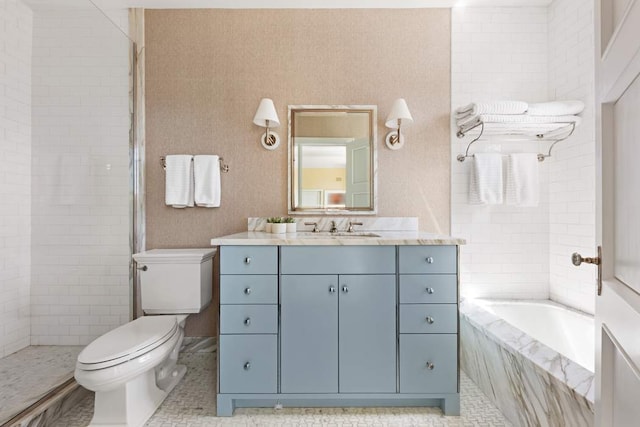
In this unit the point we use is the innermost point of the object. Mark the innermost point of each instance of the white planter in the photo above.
(267, 227)
(278, 228)
(292, 227)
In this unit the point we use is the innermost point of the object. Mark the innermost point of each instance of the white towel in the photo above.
(497, 107)
(206, 171)
(523, 186)
(556, 108)
(179, 181)
(517, 119)
(485, 182)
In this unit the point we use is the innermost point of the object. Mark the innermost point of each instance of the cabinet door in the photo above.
(367, 308)
(309, 334)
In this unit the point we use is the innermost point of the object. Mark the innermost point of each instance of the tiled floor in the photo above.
(29, 373)
(192, 404)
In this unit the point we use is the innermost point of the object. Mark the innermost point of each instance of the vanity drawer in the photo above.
(428, 288)
(248, 319)
(248, 289)
(248, 364)
(428, 318)
(248, 260)
(428, 259)
(338, 259)
(428, 363)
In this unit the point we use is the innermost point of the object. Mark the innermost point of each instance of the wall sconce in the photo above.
(398, 116)
(267, 117)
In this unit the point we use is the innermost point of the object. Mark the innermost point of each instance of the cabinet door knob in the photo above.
(247, 291)
(247, 366)
(332, 289)
(247, 260)
(430, 320)
(143, 268)
(429, 290)
(430, 366)
(247, 321)
(345, 289)
(429, 260)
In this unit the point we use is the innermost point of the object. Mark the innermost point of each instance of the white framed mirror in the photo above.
(332, 159)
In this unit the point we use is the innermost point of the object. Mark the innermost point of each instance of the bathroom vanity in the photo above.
(314, 319)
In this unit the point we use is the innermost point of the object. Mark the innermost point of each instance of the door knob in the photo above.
(247, 321)
(430, 320)
(247, 366)
(247, 260)
(429, 260)
(247, 291)
(429, 290)
(577, 259)
(345, 289)
(332, 289)
(143, 268)
(430, 366)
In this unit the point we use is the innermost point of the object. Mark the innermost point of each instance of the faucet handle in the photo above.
(351, 224)
(315, 226)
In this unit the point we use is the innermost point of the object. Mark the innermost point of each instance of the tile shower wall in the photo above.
(572, 168)
(16, 22)
(80, 196)
(500, 53)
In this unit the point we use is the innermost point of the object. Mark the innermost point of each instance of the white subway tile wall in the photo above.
(80, 172)
(572, 207)
(16, 22)
(500, 53)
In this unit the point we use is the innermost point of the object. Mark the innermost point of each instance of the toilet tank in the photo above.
(175, 281)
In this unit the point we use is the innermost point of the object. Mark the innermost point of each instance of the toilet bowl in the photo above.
(134, 367)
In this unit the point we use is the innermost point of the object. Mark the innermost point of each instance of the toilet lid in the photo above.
(134, 338)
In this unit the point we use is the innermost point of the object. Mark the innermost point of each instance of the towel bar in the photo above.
(223, 166)
(462, 132)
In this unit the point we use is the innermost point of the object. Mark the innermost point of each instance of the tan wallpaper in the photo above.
(206, 71)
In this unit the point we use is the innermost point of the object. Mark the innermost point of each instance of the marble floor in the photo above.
(25, 376)
(192, 404)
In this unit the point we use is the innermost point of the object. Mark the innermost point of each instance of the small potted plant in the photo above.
(277, 226)
(291, 224)
(267, 226)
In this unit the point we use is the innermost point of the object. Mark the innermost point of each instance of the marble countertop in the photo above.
(250, 238)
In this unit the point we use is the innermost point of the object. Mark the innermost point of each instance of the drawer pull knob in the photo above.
(430, 320)
(143, 268)
(429, 260)
(430, 366)
(430, 290)
(247, 291)
(332, 289)
(345, 289)
(247, 260)
(247, 321)
(247, 366)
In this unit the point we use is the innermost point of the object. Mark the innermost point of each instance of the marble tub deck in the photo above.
(27, 375)
(193, 404)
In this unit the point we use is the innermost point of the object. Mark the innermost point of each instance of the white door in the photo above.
(618, 306)
(358, 188)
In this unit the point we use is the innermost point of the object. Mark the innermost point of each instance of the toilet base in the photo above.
(132, 404)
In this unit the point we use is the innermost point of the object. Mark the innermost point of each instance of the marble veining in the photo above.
(326, 239)
(342, 223)
(529, 382)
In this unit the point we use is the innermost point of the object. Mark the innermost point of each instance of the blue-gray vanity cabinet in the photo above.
(249, 363)
(428, 363)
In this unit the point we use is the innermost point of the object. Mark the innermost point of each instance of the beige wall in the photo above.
(206, 71)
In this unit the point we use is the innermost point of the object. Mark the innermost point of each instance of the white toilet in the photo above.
(133, 367)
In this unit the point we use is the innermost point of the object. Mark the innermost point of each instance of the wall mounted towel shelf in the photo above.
(550, 132)
(223, 166)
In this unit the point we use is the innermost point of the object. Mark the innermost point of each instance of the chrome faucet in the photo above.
(333, 229)
(351, 224)
(315, 226)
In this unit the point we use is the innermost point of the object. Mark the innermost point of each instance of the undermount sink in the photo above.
(341, 234)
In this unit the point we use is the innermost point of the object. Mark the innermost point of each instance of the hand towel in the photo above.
(206, 171)
(485, 183)
(556, 108)
(179, 181)
(497, 107)
(523, 186)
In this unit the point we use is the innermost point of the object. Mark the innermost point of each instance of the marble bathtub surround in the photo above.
(342, 223)
(529, 382)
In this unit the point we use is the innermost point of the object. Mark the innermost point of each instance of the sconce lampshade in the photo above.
(399, 111)
(266, 111)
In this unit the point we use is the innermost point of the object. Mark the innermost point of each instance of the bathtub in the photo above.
(534, 359)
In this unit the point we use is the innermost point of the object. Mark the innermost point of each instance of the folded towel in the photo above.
(206, 172)
(497, 107)
(517, 119)
(556, 108)
(523, 187)
(485, 183)
(179, 181)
